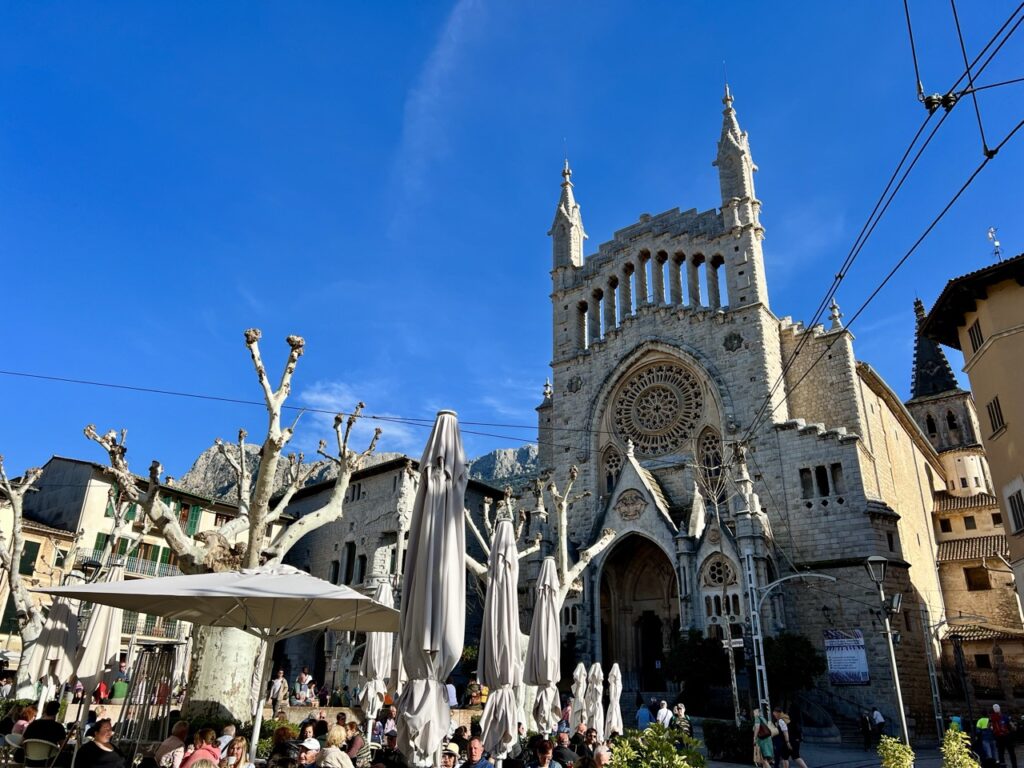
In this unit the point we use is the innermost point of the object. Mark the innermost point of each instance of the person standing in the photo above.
(780, 740)
(983, 732)
(664, 715)
(279, 690)
(643, 717)
(1002, 729)
(877, 724)
(763, 754)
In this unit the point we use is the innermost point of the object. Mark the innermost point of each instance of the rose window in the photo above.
(657, 408)
(718, 573)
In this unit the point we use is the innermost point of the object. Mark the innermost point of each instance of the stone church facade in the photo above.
(666, 354)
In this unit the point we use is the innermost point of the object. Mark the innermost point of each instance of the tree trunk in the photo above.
(221, 686)
(26, 686)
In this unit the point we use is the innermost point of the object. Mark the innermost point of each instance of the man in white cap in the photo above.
(308, 751)
(1000, 725)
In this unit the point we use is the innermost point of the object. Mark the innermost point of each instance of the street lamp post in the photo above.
(876, 567)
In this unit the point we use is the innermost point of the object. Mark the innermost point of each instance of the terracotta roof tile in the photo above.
(947, 502)
(972, 549)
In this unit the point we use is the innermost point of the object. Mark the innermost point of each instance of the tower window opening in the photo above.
(821, 478)
(930, 425)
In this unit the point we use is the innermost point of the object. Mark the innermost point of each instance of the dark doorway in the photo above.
(651, 651)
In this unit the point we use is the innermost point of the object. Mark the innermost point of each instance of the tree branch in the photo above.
(534, 547)
(476, 531)
(348, 463)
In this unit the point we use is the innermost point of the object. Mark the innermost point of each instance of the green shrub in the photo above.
(956, 750)
(895, 754)
(727, 742)
(657, 747)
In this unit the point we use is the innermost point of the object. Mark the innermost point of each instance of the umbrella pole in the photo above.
(257, 721)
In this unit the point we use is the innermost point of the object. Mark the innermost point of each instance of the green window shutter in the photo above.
(9, 622)
(193, 519)
(165, 555)
(122, 546)
(28, 558)
(110, 509)
(132, 512)
(101, 541)
(153, 554)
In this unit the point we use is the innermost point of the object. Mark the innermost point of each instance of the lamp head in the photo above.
(875, 566)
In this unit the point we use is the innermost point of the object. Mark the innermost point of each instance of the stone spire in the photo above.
(932, 373)
(566, 231)
(735, 165)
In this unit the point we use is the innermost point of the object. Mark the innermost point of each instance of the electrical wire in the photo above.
(988, 158)
(861, 238)
(970, 77)
(913, 51)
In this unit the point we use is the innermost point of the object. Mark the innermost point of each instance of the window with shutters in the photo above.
(1017, 510)
(974, 332)
(27, 566)
(995, 414)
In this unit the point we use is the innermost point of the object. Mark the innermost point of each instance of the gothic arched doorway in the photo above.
(639, 611)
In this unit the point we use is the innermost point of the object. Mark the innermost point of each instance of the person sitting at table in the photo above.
(100, 752)
(28, 714)
(206, 748)
(46, 728)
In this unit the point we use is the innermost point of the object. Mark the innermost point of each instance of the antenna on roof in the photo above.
(997, 247)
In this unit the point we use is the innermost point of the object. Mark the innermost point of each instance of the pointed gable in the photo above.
(638, 494)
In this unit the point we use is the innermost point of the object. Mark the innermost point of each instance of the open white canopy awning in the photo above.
(272, 603)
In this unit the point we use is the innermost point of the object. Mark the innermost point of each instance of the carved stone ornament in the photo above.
(714, 536)
(630, 505)
(658, 408)
(575, 384)
(733, 342)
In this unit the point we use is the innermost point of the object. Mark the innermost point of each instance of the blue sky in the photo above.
(379, 178)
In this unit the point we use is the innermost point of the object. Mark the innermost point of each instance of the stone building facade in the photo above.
(667, 356)
(363, 548)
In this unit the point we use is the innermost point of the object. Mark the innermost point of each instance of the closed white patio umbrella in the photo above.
(433, 613)
(57, 646)
(543, 663)
(100, 649)
(594, 699)
(376, 663)
(579, 692)
(500, 667)
(613, 720)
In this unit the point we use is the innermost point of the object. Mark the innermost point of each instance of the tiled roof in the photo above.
(972, 549)
(960, 296)
(976, 632)
(947, 502)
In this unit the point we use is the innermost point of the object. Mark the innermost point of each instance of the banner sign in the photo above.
(847, 660)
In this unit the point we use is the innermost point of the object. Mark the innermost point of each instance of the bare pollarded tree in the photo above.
(29, 612)
(569, 574)
(223, 660)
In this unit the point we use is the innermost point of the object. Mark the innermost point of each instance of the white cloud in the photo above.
(423, 130)
(331, 397)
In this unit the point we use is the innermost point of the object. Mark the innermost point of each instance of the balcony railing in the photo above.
(149, 626)
(135, 566)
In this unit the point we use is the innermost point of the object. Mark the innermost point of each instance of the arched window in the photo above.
(930, 424)
(951, 420)
(612, 462)
(709, 459)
